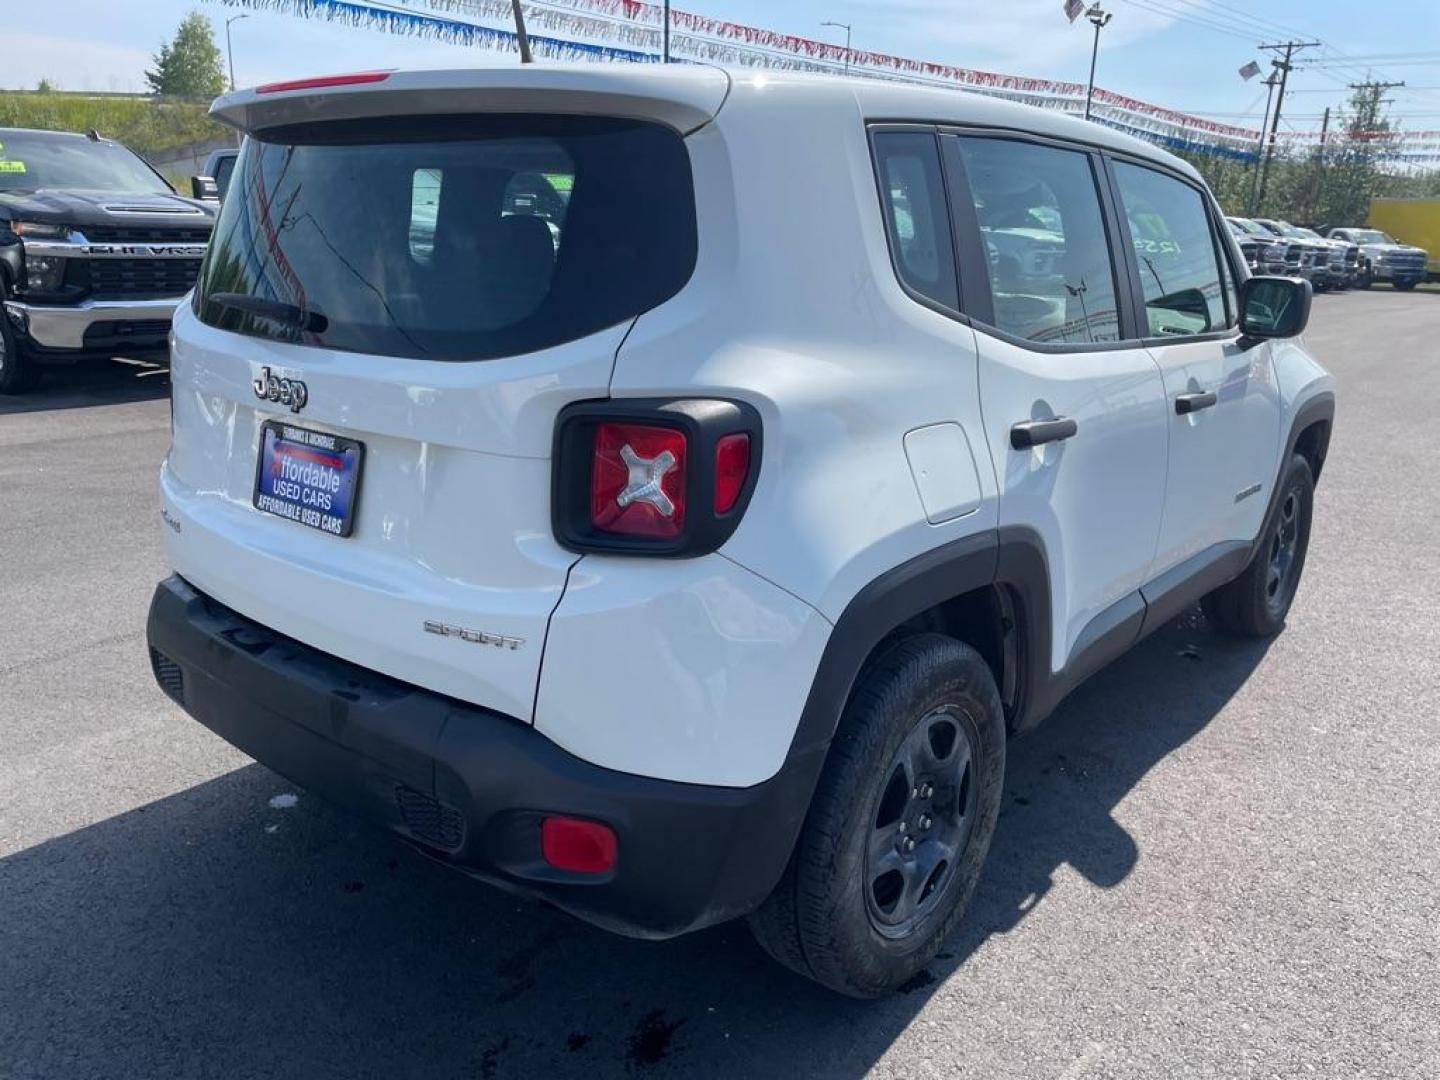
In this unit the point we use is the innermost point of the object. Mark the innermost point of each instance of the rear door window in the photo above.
(912, 195)
(1051, 274)
(1175, 253)
(451, 238)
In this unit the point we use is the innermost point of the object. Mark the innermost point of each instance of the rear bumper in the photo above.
(469, 786)
(94, 325)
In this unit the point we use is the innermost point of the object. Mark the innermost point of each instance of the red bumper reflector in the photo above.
(584, 847)
(322, 81)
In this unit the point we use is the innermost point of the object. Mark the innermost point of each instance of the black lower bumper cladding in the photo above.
(469, 786)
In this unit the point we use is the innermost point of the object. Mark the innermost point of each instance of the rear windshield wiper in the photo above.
(275, 310)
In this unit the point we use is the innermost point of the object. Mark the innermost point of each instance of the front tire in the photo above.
(17, 371)
(1255, 604)
(900, 823)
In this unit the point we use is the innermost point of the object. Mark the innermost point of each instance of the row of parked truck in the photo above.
(1341, 257)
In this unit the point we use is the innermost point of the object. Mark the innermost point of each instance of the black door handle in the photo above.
(1037, 432)
(1188, 403)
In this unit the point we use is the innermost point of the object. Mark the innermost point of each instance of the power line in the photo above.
(1157, 7)
(1416, 62)
(1365, 58)
(1196, 13)
(1266, 26)
(1202, 14)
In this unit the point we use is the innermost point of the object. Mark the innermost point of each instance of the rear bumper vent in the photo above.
(169, 676)
(431, 820)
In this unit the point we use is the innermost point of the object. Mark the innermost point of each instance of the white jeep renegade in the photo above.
(663, 490)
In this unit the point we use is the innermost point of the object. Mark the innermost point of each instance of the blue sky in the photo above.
(1149, 50)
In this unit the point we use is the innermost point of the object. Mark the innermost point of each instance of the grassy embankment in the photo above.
(141, 123)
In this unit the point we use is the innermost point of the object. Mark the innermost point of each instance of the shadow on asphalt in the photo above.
(209, 934)
(93, 382)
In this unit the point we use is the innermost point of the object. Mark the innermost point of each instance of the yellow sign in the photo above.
(12, 166)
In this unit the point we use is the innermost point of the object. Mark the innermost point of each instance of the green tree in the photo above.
(44, 86)
(1351, 169)
(189, 66)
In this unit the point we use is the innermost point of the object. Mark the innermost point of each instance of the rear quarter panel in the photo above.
(795, 308)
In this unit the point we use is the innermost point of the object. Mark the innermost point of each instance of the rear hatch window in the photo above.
(450, 238)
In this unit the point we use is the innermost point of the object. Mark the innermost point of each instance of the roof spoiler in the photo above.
(683, 97)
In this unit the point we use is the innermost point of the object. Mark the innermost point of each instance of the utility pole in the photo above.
(1099, 19)
(1290, 48)
(1375, 87)
(665, 36)
(520, 35)
(1319, 187)
(1271, 82)
(846, 27)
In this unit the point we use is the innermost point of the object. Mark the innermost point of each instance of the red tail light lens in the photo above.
(732, 466)
(637, 480)
(583, 847)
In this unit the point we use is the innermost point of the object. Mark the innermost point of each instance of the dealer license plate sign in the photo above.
(309, 477)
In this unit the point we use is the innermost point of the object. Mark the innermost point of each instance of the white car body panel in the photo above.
(1094, 499)
(683, 96)
(453, 521)
(838, 383)
(1299, 379)
(1221, 459)
(687, 669)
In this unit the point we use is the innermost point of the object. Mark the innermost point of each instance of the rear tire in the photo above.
(900, 823)
(1255, 604)
(18, 372)
(1405, 286)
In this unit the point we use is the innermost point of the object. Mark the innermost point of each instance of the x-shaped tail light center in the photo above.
(645, 478)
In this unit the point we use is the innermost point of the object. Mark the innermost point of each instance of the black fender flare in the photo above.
(1012, 558)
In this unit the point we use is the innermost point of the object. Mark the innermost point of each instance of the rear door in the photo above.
(1073, 410)
(1222, 406)
(391, 315)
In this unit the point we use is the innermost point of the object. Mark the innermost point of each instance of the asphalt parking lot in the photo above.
(1219, 859)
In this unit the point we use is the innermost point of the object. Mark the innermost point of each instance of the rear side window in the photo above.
(912, 195)
(1051, 274)
(450, 238)
(1175, 252)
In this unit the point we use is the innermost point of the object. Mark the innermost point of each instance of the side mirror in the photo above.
(1273, 307)
(204, 187)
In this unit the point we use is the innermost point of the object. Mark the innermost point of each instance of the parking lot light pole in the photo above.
(229, 49)
(1099, 18)
(847, 28)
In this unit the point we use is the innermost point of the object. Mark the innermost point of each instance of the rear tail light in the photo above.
(637, 480)
(653, 477)
(582, 847)
(732, 468)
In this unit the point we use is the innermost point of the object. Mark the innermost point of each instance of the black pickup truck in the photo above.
(96, 250)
